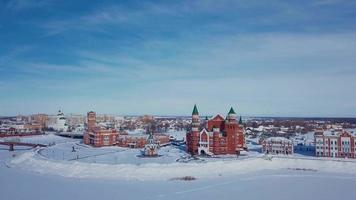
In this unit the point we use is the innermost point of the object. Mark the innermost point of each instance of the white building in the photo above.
(151, 147)
(19, 127)
(277, 145)
(59, 123)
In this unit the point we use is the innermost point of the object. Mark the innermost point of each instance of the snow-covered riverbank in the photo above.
(98, 175)
(165, 171)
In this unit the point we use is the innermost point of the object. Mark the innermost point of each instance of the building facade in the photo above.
(339, 144)
(277, 145)
(39, 120)
(91, 121)
(140, 140)
(75, 120)
(97, 136)
(217, 136)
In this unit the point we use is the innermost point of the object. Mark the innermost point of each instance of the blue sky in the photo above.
(265, 58)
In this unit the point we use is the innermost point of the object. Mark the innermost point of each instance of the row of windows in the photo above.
(278, 152)
(277, 147)
(332, 148)
(326, 154)
(332, 142)
(344, 148)
(346, 145)
(346, 142)
(349, 155)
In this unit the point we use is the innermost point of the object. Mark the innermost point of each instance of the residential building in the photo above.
(335, 143)
(140, 140)
(277, 145)
(40, 120)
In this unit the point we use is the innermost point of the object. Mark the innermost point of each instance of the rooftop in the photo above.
(332, 132)
(277, 139)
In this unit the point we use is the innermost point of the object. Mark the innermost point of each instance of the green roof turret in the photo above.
(195, 110)
(231, 111)
(240, 120)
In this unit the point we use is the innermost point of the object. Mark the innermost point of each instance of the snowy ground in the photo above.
(107, 155)
(179, 135)
(118, 173)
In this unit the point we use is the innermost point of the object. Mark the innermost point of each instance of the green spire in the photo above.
(150, 137)
(195, 110)
(240, 120)
(231, 111)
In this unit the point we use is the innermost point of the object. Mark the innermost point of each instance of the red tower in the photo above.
(193, 135)
(91, 121)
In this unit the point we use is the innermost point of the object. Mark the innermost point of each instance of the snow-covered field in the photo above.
(106, 155)
(55, 172)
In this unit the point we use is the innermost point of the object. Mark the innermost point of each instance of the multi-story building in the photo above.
(75, 120)
(97, 136)
(277, 145)
(331, 143)
(217, 136)
(40, 120)
(140, 140)
(105, 118)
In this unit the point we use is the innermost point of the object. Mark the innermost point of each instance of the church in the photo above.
(215, 136)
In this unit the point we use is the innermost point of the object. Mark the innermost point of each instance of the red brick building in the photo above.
(332, 143)
(218, 135)
(96, 136)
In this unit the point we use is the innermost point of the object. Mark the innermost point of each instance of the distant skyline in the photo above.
(264, 58)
